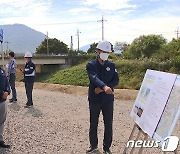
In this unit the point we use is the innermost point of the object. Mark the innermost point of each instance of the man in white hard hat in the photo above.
(103, 78)
(29, 78)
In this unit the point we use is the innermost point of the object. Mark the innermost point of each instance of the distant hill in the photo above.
(85, 48)
(21, 38)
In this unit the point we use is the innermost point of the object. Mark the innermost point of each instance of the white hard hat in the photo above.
(104, 46)
(28, 55)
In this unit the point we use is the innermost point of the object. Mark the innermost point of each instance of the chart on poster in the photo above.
(151, 100)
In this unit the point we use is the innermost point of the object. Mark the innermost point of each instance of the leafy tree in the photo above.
(92, 48)
(120, 47)
(169, 51)
(55, 46)
(146, 46)
(174, 45)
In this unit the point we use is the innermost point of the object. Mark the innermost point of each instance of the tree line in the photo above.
(146, 46)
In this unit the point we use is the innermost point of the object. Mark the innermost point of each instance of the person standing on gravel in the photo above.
(103, 78)
(29, 78)
(4, 92)
(11, 73)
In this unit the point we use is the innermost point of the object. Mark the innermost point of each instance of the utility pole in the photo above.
(7, 45)
(102, 21)
(47, 44)
(177, 33)
(71, 45)
(78, 32)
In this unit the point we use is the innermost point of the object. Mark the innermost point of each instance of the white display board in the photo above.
(170, 115)
(151, 100)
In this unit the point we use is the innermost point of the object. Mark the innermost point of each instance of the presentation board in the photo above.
(170, 115)
(151, 100)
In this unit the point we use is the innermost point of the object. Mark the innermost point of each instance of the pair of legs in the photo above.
(29, 89)
(12, 79)
(107, 111)
(3, 114)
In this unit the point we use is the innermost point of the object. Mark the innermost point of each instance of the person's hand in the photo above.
(98, 90)
(108, 90)
(21, 70)
(5, 95)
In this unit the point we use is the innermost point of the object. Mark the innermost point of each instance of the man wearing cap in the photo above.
(103, 78)
(4, 92)
(29, 78)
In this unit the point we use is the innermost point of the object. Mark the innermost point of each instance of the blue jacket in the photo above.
(100, 76)
(29, 72)
(4, 85)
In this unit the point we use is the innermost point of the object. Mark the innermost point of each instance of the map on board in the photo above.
(170, 115)
(152, 99)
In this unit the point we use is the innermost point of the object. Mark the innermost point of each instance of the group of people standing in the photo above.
(103, 78)
(7, 84)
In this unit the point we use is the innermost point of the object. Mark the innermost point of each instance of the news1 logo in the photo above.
(170, 144)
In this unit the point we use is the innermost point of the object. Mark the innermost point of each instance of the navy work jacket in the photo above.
(29, 72)
(4, 85)
(101, 75)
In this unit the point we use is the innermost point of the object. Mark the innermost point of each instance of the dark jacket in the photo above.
(4, 85)
(100, 76)
(29, 72)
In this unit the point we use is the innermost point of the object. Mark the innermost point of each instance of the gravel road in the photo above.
(59, 124)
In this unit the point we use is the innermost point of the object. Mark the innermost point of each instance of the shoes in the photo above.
(3, 145)
(91, 150)
(12, 101)
(106, 151)
(28, 106)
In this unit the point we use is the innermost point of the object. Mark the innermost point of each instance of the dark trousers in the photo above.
(107, 111)
(29, 89)
(12, 79)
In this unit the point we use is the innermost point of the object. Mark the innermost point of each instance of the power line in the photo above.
(65, 23)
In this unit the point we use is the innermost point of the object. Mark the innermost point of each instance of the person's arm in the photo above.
(9, 67)
(29, 70)
(1, 93)
(93, 77)
(115, 79)
(6, 92)
(7, 87)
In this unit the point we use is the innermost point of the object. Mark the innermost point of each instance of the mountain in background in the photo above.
(85, 48)
(20, 38)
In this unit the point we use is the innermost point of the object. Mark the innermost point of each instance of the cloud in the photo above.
(21, 8)
(110, 5)
(80, 10)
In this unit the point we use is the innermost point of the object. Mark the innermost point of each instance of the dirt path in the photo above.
(59, 123)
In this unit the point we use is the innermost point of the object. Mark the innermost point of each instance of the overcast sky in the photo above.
(126, 19)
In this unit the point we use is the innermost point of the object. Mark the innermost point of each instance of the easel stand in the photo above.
(140, 131)
(138, 135)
